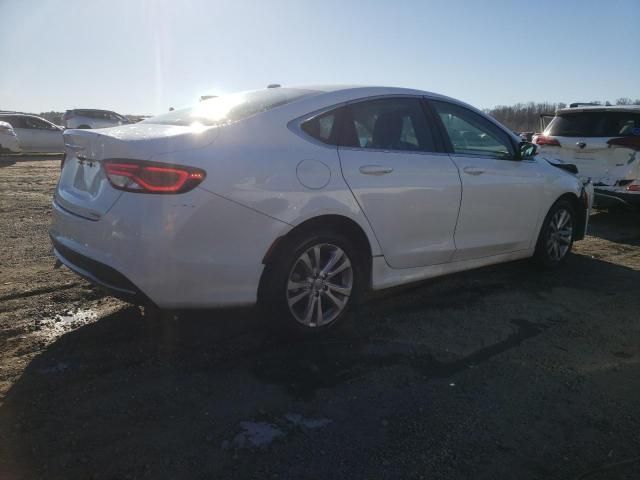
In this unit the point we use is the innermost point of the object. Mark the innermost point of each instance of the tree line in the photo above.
(521, 117)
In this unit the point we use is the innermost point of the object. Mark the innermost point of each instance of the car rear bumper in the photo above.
(195, 250)
(106, 278)
(612, 198)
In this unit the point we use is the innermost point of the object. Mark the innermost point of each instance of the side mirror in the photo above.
(527, 150)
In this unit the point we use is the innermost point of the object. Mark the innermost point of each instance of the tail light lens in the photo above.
(632, 142)
(149, 177)
(634, 186)
(546, 141)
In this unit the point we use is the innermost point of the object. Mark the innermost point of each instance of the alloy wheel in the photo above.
(319, 285)
(559, 234)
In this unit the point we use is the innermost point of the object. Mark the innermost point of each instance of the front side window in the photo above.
(472, 134)
(388, 124)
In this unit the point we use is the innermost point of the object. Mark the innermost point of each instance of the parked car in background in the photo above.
(604, 143)
(92, 118)
(8, 139)
(35, 134)
(303, 198)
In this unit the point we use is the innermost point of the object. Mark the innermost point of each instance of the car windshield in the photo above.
(231, 108)
(595, 124)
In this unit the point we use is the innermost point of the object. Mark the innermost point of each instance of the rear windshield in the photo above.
(595, 124)
(231, 108)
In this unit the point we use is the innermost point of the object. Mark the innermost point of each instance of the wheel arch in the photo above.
(581, 213)
(334, 222)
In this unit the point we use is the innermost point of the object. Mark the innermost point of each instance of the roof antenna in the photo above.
(274, 85)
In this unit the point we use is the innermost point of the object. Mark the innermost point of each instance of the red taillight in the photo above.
(545, 140)
(149, 177)
(632, 142)
(634, 187)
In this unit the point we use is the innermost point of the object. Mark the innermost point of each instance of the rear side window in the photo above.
(231, 108)
(472, 134)
(595, 124)
(323, 127)
(388, 124)
(15, 122)
(38, 124)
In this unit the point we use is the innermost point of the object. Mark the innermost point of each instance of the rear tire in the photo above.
(312, 282)
(556, 235)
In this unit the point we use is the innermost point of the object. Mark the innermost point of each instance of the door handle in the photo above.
(473, 170)
(375, 170)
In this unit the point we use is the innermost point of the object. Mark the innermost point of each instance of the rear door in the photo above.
(23, 132)
(501, 197)
(407, 189)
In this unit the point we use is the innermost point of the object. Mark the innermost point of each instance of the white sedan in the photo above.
(303, 198)
(35, 134)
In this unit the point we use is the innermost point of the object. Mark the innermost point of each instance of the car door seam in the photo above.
(360, 206)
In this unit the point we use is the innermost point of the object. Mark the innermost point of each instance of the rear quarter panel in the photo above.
(259, 163)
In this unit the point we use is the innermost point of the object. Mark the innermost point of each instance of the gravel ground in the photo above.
(503, 372)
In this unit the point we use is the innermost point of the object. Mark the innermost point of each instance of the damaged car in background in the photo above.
(604, 143)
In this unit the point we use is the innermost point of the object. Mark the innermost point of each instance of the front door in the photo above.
(409, 192)
(500, 195)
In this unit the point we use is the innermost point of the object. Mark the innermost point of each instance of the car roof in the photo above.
(601, 108)
(89, 110)
(368, 90)
(333, 95)
(9, 114)
(344, 93)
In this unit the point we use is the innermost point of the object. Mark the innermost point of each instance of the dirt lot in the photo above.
(504, 372)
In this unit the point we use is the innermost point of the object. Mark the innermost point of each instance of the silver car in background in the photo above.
(92, 118)
(34, 134)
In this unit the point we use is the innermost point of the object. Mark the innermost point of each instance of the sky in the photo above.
(143, 56)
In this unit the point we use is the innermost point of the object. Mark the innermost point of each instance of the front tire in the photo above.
(556, 236)
(312, 282)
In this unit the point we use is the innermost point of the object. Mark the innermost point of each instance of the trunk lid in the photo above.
(83, 187)
(591, 155)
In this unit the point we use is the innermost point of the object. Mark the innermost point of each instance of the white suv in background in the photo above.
(604, 143)
(91, 118)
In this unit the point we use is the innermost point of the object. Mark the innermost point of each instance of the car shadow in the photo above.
(144, 379)
(619, 226)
